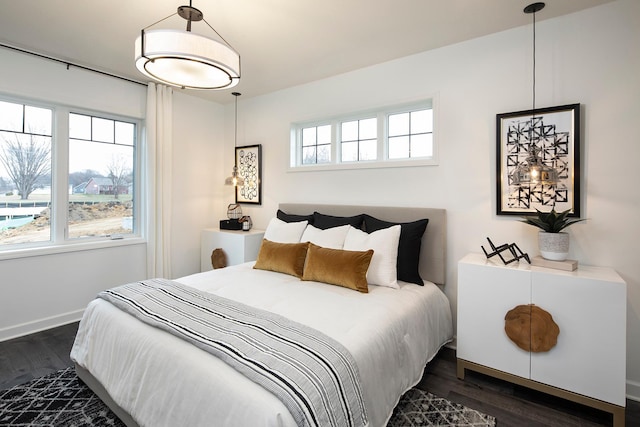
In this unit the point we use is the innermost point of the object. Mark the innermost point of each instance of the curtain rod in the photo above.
(70, 64)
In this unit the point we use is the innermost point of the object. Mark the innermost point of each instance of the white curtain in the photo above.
(158, 176)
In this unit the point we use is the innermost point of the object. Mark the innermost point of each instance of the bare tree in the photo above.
(119, 172)
(26, 159)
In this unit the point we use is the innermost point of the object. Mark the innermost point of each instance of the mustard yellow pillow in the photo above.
(285, 258)
(338, 267)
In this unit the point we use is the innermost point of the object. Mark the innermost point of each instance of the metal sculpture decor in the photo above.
(512, 248)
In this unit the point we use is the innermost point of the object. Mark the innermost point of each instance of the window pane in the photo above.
(324, 153)
(125, 133)
(11, 116)
(309, 155)
(422, 121)
(422, 145)
(399, 124)
(368, 129)
(37, 120)
(399, 147)
(25, 184)
(309, 136)
(368, 149)
(102, 130)
(102, 181)
(324, 134)
(350, 151)
(79, 126)
(349, 131)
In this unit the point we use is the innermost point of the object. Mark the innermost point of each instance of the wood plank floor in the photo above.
(32, 356)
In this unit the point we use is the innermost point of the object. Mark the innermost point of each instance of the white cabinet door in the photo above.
(486, 292)
(589, 306)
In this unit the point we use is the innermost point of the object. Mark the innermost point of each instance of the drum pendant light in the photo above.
(184, 59)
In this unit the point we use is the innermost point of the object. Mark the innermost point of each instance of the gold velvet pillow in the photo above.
(285, 258)
(338, 267)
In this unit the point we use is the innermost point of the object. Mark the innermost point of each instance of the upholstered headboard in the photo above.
(434, 240)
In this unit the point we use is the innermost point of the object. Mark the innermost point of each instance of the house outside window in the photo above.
(65, 176)
(394, 136)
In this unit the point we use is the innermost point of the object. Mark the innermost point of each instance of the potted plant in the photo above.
(552, 241)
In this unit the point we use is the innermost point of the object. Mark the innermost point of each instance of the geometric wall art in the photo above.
(549, 137)
(249, 163)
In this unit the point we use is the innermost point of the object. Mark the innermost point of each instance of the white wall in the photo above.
(38, 292)
(591, 57)
(198, 135)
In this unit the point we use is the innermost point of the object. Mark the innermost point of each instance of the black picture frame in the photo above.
(249, 163)
(555, 131)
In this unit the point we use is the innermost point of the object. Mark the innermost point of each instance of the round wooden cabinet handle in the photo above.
(531, 328)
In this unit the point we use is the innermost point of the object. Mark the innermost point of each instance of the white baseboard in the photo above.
(633, 390)
(39, 325)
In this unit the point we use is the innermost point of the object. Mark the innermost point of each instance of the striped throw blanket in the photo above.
(314, 376)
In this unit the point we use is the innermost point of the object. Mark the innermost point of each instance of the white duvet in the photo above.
(163, 381)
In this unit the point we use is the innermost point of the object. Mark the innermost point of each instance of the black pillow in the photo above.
(408, 246)
(283, 216)
(323, 221)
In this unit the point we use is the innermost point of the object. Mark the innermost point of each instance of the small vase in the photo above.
(553, 246)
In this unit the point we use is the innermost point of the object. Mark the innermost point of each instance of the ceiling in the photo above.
(282, 43)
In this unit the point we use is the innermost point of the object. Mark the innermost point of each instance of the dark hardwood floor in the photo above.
(513, 405)
(32, 356)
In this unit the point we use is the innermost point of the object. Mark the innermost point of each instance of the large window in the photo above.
(65, 176)
(394, 136)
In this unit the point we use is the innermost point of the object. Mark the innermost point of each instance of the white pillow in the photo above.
(383, 269)
(332, 238)
(284, 232)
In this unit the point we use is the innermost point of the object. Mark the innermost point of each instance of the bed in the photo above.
(150, 377)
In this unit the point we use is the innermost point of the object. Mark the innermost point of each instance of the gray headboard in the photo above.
(434, 241)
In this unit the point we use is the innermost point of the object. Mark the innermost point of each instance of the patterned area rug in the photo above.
(418, 408)
(60, 399)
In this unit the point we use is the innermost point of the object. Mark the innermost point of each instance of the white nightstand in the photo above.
(239, 246)
(588, 363)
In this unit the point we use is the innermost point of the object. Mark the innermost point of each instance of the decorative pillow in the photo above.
(338, 267)
(332, 238)
(285, 258)
(284, 232)
(383, 269)
(323, 221)
(408, 248)
(281, 215)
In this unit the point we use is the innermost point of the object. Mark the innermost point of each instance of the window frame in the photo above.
(59, 241)
(382, 114)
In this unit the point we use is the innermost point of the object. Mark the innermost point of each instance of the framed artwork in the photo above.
(549, 137)
(249, 163)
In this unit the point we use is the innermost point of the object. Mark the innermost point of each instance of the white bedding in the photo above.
(163, 381)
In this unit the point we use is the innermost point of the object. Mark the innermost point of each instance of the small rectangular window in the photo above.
(316, 144)
(410, 134)
(359, 140)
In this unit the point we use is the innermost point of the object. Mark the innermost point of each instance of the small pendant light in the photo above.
(235, 179)
(533, 171)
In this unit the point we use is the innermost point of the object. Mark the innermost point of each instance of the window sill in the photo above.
(365, 165)
(69, 247)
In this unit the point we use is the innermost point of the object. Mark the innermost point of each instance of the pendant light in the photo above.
(235, 179)
(532, 171)
(184, 59)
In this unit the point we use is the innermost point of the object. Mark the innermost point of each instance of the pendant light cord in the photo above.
(534, 68)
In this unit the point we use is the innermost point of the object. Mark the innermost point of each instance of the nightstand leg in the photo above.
(460, 369)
